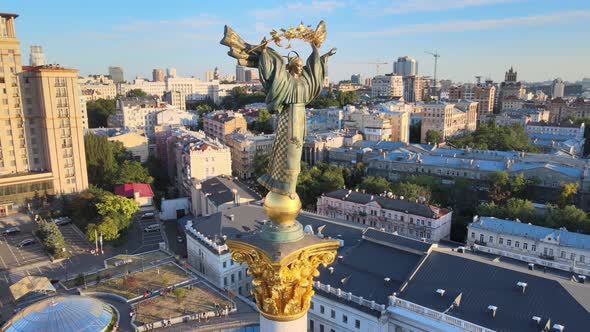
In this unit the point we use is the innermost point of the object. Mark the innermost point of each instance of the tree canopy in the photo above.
(263, 124)
(433, 137)
(375, 184)
(489, 136)
(238, 98)
(136, 93)
(98, 112)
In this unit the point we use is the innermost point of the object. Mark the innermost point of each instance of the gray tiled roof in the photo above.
(484, 284)
(423, 210)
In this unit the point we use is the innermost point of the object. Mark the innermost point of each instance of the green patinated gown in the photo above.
(288, 96)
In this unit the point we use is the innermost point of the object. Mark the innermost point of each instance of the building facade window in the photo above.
(501, 240)
(322, 309)
(357, 323)
(344, 319)
(332, 314)
(509, 242)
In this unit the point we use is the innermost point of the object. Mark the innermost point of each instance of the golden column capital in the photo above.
(283, 288)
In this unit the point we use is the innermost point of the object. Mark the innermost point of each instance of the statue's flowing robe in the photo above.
(288, 96)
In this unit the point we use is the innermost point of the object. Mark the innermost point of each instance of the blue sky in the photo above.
(542, 39)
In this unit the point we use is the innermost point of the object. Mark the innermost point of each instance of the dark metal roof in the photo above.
(484, 284)
(396, 241)
(220, 190)
(423, 210)
(364, 267)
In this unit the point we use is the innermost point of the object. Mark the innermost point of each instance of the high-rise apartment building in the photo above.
(415, 88)
(240, 73)
(116, 74)
(54, 116)
(557, 88)
(356, 79)
(405, 66)
(41, 130)
(37, 57)
(171, 72)
(484, 95)
(209, 75)
(158, 75)
(216, 74)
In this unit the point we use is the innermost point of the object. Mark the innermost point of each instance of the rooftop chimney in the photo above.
(492, 309)
(331, 269)
(523, 285)
(537, 319)
(441, 292)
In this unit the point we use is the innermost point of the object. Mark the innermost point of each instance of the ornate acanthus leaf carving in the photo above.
(283, 290)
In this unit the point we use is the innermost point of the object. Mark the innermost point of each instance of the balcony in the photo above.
(548, 257)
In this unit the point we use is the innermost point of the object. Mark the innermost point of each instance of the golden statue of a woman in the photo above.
(289, 87)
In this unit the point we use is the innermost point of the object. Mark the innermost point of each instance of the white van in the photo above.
(152, 228)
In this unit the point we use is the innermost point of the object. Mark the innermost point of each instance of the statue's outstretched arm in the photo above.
(246, 54)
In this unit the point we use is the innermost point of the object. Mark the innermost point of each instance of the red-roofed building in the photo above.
(141, 192)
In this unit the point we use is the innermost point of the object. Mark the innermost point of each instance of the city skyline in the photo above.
(483, 37)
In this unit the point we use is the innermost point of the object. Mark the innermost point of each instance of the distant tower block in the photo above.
(37, 57)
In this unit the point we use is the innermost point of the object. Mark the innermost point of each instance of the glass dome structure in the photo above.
(62, 314)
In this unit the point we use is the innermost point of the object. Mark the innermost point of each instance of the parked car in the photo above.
(147, 215)
(62, 221)
(26, 242)
(179, 239)
(11, 231)
(152, 228)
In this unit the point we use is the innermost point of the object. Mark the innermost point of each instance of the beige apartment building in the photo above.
(244, 147)
(176, 98)
(222, 123)
(387, 86)
(135, 143)
(448, 119)
(198, 158)
(379, 125)
(41, 129)
(484, 96)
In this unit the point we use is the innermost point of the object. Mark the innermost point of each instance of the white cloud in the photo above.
(196, 22)
(320, 7)
(378, 8)
(477, 25)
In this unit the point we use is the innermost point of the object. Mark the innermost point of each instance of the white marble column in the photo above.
(298, 325)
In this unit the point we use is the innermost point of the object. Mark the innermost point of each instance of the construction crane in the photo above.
(436, 56)
(377, 64)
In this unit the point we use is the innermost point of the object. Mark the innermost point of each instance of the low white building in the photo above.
(555, 245)
(416, 220)
(174, 208)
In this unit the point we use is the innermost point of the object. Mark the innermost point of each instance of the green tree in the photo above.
(332, 179)
(263, 123)
(260, 163)
(108, 227)
(570, 217)
(411, 191)
(489, 136)
(133, 172)
(567, 194)
(375, 184)
(100, 160)
(346, 98)
(117, 207)
(98, 112)
(415, 132)
(498, 182)
(353, 177)
(136, 93)
(433, 137)
(52, 238)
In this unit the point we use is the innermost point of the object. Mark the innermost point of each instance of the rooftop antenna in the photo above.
(436, 56)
